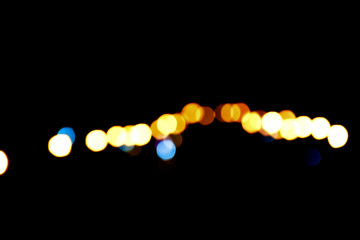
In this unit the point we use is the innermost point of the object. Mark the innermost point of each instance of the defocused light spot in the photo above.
(129, 141)
(289, 129)
(116, 136)
(305, 126)
(218, 112)
(68, 131)
(126, 149)
(60, 145)
(140, 134)
(4, 162)
(177, 139)
(271, 122)
(320, 128)
(166, 149)
(209, 116)
(312, 157)
(192, 112)
(167, 124)
(287, 114)
(155, 131)
(244, 112)
(226, 112)
(180, 123)
(96, 140)
(252, 123)
(338, 136)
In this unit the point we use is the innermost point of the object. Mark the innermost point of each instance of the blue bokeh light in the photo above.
(166, 149)
(68, 131)
(313, 157)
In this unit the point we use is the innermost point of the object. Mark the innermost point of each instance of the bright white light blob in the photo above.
(271, 122)
(96, 140)
(338, 136)
(166, 149)
(320, 128)
(68, 131)
(60, 145)
(4, 162)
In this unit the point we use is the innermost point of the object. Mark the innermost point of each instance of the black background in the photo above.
(92, 71)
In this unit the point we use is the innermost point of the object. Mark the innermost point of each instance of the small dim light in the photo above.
(4, 162)
(96, 140)
(338, 136)
(60, 145)
(209, 116)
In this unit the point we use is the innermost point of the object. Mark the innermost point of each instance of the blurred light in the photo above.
(289, 129)
(244, 112)
(252, 123)
(338, 136)
(167, 124)
(68, 131)
(287, 114)
(166, 149)
(129, 141)
(4, 162)
(176, 138)
(96, 140)
(140, 134)
(60, 145)
(155, 131)
(320, 128)
(312, 157)
(126, 149)
(218, 112)
(226, 112)
(192, 112)
(180, 123)
(305, 126)
(271, 122)
(116, 136)
(209, 116)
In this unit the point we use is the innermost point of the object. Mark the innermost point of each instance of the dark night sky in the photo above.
(140, 69)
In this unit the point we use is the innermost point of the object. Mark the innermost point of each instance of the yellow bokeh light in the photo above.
(180, 123)
(252, 123)
(192, 113)
(305, 126)
(129, 142)
(4, 162)
(155, 131)
(338, 136)
(271, 122)
(116, 136)
(140, 134)
(60, 145)
(167, 124)
(96, 140)
(320, 128)
(289, 129)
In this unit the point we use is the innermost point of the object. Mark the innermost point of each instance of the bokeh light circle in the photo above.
(4, 162)
(320, 128)
(60, 145)
(96, 140)
(166, 149)
(312, 157)
(68, 131)
(338, 136)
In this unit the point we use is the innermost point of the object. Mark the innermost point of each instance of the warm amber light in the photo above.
(338, 136)
(140, 134)
(4, 162)
(209, 116)
(271, 122)
(155, 131)
(320, 128)
(287, 114)
(96, 140)
(244, 112)
(226, 113)
(60, 145)
(116, 136)
(305, 126)
(253, 123)
(192, 112)
(167, 124)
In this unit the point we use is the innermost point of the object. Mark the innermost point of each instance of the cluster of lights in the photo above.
(167, 130)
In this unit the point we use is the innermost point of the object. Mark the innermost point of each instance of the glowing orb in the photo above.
(96, 140)
(166, 149)
(338, 136)
(271, 122)
(68, 131)
(4, 162)
(60, 145)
